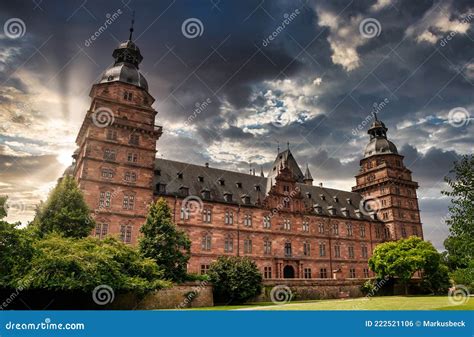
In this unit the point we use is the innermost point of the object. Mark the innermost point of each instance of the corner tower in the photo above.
(384, 178)
(117, 146)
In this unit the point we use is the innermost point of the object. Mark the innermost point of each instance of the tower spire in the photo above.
(131, 26)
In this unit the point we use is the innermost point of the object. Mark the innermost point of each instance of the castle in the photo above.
(288, 226)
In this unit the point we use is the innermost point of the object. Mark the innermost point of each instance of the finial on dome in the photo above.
(131, 26)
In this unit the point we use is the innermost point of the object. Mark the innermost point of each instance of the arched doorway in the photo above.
(288, 272)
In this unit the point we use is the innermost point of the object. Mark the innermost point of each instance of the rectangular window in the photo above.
(126, 233)
(404, 232)
(337, 251)
(247, 246)
(323, 273)
(349, 229)
(352, 273)
(267, 272)
(321, 228)
(322, 249)
(307, 272)
(351, 252)
(287, 224)
(229, 244)
(206, 215)
(104, 199)
(111, 134)
(364, 252)
(128, 202)
(366, 273)
(204, 268)
(206, 242)
(229, 217)
(305, 226)
(101, 230)
(267, 247)
(362, 231)
(335, 229)
(134, 139)
(248, 220)
(132, 157)
(107, 173)
(415, 231)
(377, 232)
(267, 222)
(184, 214)
(306, 249)
(109, 154)
(288, 249)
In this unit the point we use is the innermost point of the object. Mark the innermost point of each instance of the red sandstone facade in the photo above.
(290, 228)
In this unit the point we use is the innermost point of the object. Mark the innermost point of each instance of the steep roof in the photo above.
(218, 182)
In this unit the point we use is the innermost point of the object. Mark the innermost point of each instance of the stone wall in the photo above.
(314, 289)
(186, 295)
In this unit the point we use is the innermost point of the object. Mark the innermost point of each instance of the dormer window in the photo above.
(238, 185)
(308, 195)
(335, 198)
(157, 172)
(322, 196)
(318, 209)
(184, 191)
(257, 188)
(206, 194)
(179, 175)
(221, 182)
(201, 179)
(332, 210)
(345, 211)
(246, 199)
(228, 197)
(358, 213)
(349, 201)
(161, 188)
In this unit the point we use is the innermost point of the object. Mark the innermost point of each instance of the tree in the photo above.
(16, 252)
(163, 242)
(65, 211)
(401, 259)
(3, 206)
(61, 263)
(235, 279)
(460, 243)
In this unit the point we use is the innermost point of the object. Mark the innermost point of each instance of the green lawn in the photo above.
(374, 303)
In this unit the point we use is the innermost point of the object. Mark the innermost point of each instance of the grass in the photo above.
(374, 303)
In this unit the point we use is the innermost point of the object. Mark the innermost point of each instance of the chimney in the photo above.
(207, 164)
(320, 184)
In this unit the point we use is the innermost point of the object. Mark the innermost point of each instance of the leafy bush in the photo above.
(60, 263)
(235, 279)
(368, 287)
(465, 276)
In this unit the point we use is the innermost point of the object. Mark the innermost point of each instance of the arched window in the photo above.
(229, 244)
(206, 242)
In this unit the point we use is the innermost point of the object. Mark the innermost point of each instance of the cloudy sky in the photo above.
(308, 73)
